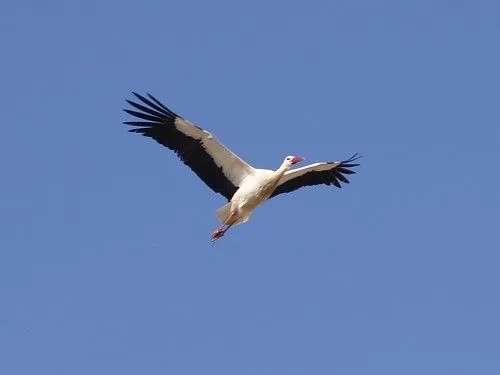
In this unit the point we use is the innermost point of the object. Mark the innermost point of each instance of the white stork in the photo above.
(223, 171)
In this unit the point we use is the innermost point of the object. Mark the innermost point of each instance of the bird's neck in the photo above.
(281, 170)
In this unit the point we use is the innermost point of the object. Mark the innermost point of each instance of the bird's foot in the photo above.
(218, 233)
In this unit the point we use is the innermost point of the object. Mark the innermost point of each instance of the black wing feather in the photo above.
(167, 111)
(159, 124)
(159, 108)
(334, 176)
(144, 116)
(142, 108)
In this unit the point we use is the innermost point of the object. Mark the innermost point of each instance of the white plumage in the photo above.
(223, 171)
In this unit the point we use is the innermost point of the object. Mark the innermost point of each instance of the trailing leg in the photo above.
(218, 233)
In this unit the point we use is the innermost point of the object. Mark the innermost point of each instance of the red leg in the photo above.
(218, 233)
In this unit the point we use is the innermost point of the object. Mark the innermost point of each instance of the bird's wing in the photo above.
(327, 173)
(221, 169)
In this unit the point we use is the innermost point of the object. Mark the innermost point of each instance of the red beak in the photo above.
(296, 159)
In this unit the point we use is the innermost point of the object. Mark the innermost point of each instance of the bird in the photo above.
(244, 186)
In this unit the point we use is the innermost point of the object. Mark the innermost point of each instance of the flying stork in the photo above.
(244, 186)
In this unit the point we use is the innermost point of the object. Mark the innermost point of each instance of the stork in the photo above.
(244, 186)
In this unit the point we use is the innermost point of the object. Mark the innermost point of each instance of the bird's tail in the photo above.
(224, 212)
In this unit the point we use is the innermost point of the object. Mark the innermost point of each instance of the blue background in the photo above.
(106, 265)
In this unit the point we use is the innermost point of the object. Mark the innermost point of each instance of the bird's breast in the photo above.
(253, 193)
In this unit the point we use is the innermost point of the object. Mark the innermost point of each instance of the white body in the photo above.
(255, 190)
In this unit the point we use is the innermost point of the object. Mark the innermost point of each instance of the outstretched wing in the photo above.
(326, 173)
(221, 169)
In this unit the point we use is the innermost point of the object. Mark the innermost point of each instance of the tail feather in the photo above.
(224, 212)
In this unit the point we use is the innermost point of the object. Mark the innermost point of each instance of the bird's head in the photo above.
(291, 160)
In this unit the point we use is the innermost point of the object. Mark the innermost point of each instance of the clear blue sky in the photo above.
(105, 262)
